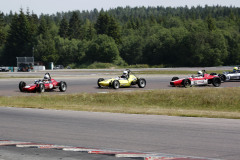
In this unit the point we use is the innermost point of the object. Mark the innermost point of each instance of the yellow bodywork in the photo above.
(123, 82)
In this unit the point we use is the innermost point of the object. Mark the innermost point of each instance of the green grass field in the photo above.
(194, 102)
(167, 72)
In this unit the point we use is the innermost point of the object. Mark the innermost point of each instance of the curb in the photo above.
(171, 158)
(32, 145)
(116, 153)
(11, 143)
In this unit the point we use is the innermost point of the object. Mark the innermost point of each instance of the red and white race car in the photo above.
(47, 84)
(201, 79)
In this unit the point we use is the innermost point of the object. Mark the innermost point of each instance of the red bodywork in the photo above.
(52, 84)
(202, 80)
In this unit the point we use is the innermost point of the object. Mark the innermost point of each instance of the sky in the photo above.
(54, 6)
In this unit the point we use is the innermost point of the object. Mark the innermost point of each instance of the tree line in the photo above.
(171, 37)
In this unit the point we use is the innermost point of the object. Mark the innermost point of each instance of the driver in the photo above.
(235, 69)
(125, 74)
(200, 74)
(46, 78)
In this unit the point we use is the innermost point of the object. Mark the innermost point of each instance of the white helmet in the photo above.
(199, 72)
(46, 76)
(125, 72)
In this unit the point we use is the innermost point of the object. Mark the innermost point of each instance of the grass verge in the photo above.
(193, 102)
(175, 72)
(166, 72)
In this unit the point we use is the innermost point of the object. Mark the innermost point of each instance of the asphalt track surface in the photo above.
(9, 87)
(202, 137)
(86, 82)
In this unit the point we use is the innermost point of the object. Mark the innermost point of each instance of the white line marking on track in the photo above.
(78, 149)
(5, 143)
(133, 155)
(32, 145)
(54, 147)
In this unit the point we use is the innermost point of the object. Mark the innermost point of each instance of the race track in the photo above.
(80, 82)
(201, 137)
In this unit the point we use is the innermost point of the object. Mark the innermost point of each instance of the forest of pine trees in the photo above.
(156, 36)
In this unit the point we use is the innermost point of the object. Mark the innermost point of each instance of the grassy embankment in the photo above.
(17, 77)
(7, 75)
(176, 72)
(195, 102)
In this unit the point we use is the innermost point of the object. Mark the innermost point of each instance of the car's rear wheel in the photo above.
(21, 85)
(216, 81)
(99, 80)
(41, 88)
(141, 82)
(222, 77)
(175, 78)
(63, 86)
(115, 84)
(213, 74)
(186, 83)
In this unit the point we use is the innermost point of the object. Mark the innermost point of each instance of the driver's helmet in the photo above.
(46, 77)
(199, 73)
(125, 73)
(235, 69)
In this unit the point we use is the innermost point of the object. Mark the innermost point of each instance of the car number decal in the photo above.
(50, 86)
(200, 82)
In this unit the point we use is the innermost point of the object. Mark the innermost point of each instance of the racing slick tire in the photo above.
(41, 88)
(141, 82)
(115, 84)
(186, 83)
(216, 81)
(175, 78)
(222, 77)
(21, 85)
(62, 86)
(99, 80)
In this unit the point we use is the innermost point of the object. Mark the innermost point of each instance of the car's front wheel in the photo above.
(115, 84)
(41, 88)
(216, 81)
(63, 86)
(141, 82)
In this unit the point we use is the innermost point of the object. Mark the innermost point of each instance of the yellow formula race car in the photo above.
(126, 80)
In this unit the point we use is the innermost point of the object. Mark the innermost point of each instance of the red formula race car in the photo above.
(47, 84)
(201, 79)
